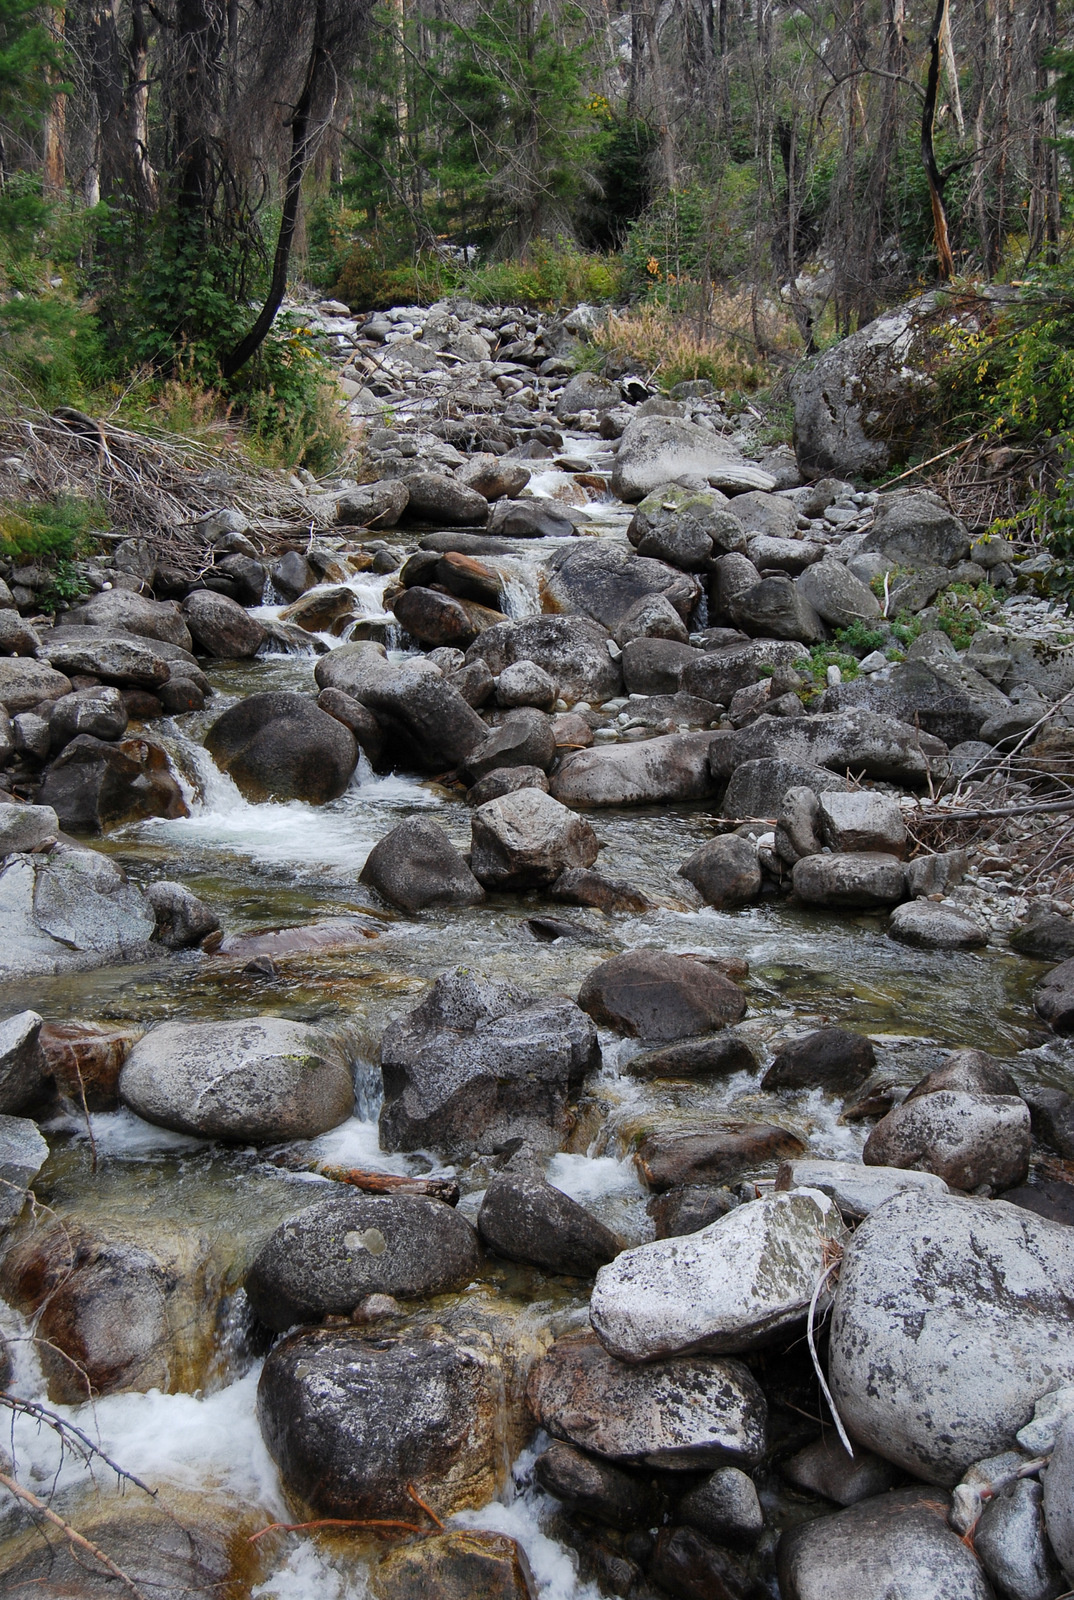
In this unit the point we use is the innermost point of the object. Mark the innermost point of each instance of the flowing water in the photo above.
(265, 866)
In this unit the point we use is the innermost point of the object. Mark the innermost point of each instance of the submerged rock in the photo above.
(460, 1565)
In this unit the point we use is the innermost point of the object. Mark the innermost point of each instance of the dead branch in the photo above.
(71, 1534)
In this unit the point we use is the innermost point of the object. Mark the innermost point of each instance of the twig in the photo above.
(334, 1522)
(429, 1512)
(33, 1408)
(830, 1268)
(932, 460)
(71, 1534)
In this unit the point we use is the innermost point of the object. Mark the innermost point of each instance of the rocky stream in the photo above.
(500, 1096)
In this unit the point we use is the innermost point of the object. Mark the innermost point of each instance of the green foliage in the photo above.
(51, 531)
(52, 349)
(859, 636)
(291, 408)
(961, 611)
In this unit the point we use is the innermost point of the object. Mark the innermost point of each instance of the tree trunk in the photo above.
(302, 148)
(53, 176)
(945, 263)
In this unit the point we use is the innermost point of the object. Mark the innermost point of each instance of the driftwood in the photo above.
(446, 1189)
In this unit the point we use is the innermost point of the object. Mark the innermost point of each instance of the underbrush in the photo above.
(372, 277)
(656, 341)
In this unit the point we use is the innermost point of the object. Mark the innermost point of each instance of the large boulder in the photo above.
(339, 1250)
(711, 1153)
(98, 711)
(836, 595)
(26, 828)
(863, 742)
(718, 674)
(825, 1058)
(972, 1141)
(862, 820)
(1053, 998)
(602, 581)
(685, 527)
(444, 502)
(416, 865)
(917, 529)
(649, 772)
(524, 1218)
(258, 1081)
(857, 879)
(426, 722)
(120, 611)
(857, 408)
(281, 746)
(686, 1414)
(182, 920)
(597, 1489)
(655, 665)
(649, 994)
(586, 392)
(757, 788)
(572, 650)
(373, 505)
(656, 450)
(357, 1426)
(526, 839)
(951, 1320)
(856, 1189)
(127, 663)
(930, 927)
(221, 628)
(734, 1286)
(69, 911)
(892, 1545)
(776, 609)
(25, 683)
(523, 739)
(95, 784)
(479, 1063)
(437, 619)
(945, 698)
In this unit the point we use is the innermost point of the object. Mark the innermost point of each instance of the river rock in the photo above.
(17, 636)
(732, 1287)
(1058, 1496)
(23, 1152)
(1012, 1545)
(505, 780)
(725, 871)
(572, 650)
(523, 739)
(292, 575)
(777, 609)
(868, 878)
(688, 1565)
(24, 684)
(655, 450)
(950, 1322)
(655, 666)
(529, 519)
(579, 887)
(257, 1081)
(85, 1058)
(281, 746)
(930, 927)
(100, 712)
(662, 771)
(525, 684)
(182, 920)
(718, 673)
(649, 994)
(69, 911)
(686, 1414)
(653, 617)
(863, 742)
(524, 1218)
(119, 611)
(126, 663)
(862, 820)
(526, 839)
(444, 501)
(1043, 935)
(713, 1153)
(26, 828)
(716, 1057)
(1054, 998)
(425, 720)
(725, 1507)
(373, 505)
(220, 627)
(493, 477)
(478, 1063)
(827, 1058)
(604, 582)
(416, 865)
(857, 1189)
(892, 1545)
(597, 1489)
(95, 784)
(1051, 1113)
(836, 595)
(757, 788)
(824, 1468)
(918, 529)
(586, 392)
(684, 527)
(944, 698)
(968, 1140)
(689, 1208)
(460, 1565)
(330, 1256)
(353, 1423)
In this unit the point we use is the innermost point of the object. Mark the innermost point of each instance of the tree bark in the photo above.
(945, 263)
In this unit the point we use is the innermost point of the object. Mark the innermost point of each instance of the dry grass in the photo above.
(732, 342)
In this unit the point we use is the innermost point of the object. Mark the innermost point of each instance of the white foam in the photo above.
(126, 1137)
(354, 1144)
(520, 1515)
(589, 1178)
(310, 1573)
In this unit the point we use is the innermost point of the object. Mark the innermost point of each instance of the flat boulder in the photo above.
(894, 1544)
(258, 1081)
(69, 911)
(930, 927)
(650, 994)
(718, 673)
(863, 742)
(662, 771)
(355, 1424)
(686, 1414)
(971, 1141)
(119, 611)
(732, 1287)
(25, 683)
(951, 1321)
(862, 819)
(282, 746)
(478, 1063)
(856, 880)
(525, 1218)
(127, 663)
(656, 450)
(526, 840)
(416, 865)
(339, 1250)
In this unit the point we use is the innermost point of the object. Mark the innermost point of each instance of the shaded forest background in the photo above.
(752, 177)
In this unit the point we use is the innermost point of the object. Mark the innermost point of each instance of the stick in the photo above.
(33, 1408)
(429, 1512)
(847, 1446)
(923, 464)
(957, 814)
(446, 1189)
(72, 1535)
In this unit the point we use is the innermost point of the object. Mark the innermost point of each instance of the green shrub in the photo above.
(860, 636)
(49, 531)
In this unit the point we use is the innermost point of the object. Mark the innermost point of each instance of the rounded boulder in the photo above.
(281, 746)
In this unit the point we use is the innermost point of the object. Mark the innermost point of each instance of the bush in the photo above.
(653, 340)
(48, 531)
